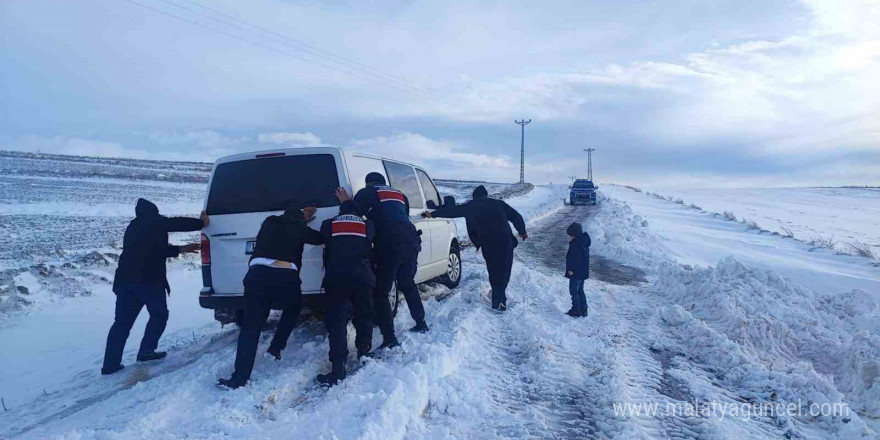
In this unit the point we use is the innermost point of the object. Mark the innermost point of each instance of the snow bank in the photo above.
(760, 335)
(620, 234)
(778, 324)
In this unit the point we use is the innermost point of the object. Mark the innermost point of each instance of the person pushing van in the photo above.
(487, 225)
(396, 249)
(348, 284)
(272, 279)
(141, 281)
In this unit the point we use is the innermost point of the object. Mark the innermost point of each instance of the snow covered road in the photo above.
(660, 336)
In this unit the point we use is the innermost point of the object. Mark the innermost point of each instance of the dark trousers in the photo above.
(498, 253)
(129, 303)
(397, 266)
(355, 302)
(578, 297)
(264, 288)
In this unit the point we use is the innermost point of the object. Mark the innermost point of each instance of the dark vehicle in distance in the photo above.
(582, 191)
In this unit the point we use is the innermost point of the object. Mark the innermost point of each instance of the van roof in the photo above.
(252, 154)
(301, 150)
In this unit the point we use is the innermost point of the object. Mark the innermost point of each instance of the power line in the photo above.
(346, 70)
(522, 149)
(590, 163)
(267, 34)
(308, 47)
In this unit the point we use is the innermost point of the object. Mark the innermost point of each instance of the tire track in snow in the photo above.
(92, 389)
(641, 373)
(552, 385)
(534, 387)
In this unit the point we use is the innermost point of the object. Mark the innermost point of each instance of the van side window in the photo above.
(403, 178)
(428, 187)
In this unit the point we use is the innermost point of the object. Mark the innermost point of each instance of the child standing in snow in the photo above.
(577, 268)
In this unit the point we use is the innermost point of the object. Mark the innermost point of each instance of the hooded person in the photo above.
(348, 286)
(488, 225)
(396, 251)
(577, 268)
(272, 281)
(140, 280)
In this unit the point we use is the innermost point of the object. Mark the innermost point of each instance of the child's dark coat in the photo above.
(577, 261)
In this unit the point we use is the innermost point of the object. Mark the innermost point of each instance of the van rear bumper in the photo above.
(209, 300)
(219, 302)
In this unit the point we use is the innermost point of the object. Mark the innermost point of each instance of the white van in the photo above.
(244, 189)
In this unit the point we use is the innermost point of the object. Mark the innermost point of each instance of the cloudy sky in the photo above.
(709, 93)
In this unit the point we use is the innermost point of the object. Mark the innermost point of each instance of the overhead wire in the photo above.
(311, 49)
(348, 67)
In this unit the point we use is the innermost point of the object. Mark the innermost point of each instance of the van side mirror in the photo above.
(431, 204)
(596, 187)
(448, 201)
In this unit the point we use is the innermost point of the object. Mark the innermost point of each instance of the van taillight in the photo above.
(206, 250)
(261, 156)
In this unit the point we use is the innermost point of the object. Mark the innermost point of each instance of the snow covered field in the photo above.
(55, 208)
(849, 216)
(720, 314)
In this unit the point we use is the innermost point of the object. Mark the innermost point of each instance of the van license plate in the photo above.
(249, 247)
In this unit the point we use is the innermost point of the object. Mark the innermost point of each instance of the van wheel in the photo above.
(453, 268)
(395, 300)
(229, 316)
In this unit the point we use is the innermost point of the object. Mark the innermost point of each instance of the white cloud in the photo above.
(441, 157)
(292, 138)
(205, 138)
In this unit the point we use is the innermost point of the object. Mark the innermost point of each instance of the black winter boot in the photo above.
(151, 356)
(231, 383)
(420, 327)
(108, 371)
(275, 353)
(389, 343)
(333, 377)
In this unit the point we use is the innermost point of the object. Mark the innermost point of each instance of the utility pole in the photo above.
(522, 149)
(590, 163)
(572, 178)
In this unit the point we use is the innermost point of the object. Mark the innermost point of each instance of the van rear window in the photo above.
(273, 184)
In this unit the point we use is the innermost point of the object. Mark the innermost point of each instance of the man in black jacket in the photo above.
(140, 280)
(487, 225)
(272, 280)
(348, 283)
(577, 268)
(397, 248)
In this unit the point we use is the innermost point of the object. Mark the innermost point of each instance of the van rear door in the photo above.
(244, 191)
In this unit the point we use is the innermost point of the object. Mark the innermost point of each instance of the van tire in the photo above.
(395, 300)
(453, 267)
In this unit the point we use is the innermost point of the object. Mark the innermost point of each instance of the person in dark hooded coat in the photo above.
(577, 268)
(488, 228)
(272, 281)
(396, 250)
(141, 281)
